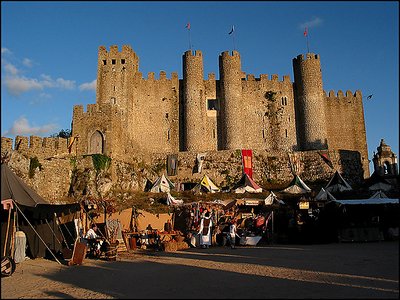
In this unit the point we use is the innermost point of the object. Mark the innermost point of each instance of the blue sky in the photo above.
(49, 51)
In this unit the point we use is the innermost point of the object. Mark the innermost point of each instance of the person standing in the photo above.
(232, 234)
(205, 230)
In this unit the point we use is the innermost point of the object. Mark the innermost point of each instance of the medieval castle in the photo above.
(135, 115)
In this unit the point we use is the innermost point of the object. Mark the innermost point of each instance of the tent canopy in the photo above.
(206, 185)
(369, 201)
(246, 184)
(297, 186)
(337, 184)
(324, 195)
(379, 194)
(272, 198)
(12, 187)
(162, 184)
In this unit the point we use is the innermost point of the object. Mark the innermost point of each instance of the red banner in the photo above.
(247, 156)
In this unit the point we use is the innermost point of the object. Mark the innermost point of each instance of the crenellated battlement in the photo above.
(340, 95)
(309, 56)
(266, 78)
(197, 53)
(35, 146)
(233, 53)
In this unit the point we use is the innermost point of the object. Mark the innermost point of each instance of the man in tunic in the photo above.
(205, 230)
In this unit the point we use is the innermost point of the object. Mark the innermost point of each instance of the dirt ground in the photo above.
(330, 271)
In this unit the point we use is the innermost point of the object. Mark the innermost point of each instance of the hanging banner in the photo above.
(199, 161)
(172, 162)
(247, 155)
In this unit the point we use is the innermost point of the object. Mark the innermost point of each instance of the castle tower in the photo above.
(385, 161)
(231, 100)
(194, 103)
(114, 72)
(309, 103)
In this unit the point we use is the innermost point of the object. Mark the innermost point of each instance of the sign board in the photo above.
(247, 215)
(304, 205)
(251, 202)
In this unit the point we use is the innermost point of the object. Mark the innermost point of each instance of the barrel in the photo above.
(111, 251)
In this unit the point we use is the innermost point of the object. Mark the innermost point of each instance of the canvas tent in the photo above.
(297, 186)
(206, 185)
(337, 184)
(379, 194)
(272, 199)
(246, 184)
(324, 195)
(377, 182)
(36, 217)
(162, 184)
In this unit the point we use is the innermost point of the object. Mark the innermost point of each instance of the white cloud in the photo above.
(27, 62)
(10, 69)
(18, 85)
(87, 86)
(21, 126)
(316, 21)
(5, 51)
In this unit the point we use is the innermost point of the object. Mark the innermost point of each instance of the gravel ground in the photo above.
(330, 271)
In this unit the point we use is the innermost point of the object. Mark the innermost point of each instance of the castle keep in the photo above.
(136, 115)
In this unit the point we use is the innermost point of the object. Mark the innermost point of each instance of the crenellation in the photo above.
(274, 77)
(150, 76)
(21, 143)
(35, 142)
(163, 75)
(6, 145)
(250, 77)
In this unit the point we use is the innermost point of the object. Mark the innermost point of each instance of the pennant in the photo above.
(370, 96)
(187, 26)
(327, 160)
(305, 32)
(232, 30)
(247, 162)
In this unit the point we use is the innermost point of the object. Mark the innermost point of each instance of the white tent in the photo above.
(324, 195)
(172, 201)
(162, 184)
(246, 184)
(337, 184)
(297, 186)
(206, 185)
(272, 198)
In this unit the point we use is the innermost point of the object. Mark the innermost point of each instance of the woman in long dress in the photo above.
(205, 230)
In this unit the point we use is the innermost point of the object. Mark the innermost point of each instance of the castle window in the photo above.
(168, 134)
(284, 101)
(212, 104)
(104, 62)
(289, 118)
(213, 133)
(114, 88)
(113, 100)
(113, 61)
(263, 133)
(123, 61)
(286, 132)
(166, 115)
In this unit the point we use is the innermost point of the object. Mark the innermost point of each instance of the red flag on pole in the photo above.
(187, 26)
(305, 31)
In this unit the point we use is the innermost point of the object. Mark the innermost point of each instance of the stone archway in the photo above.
(96, 143)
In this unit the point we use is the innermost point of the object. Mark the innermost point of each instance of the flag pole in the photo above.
(306, 35)
(190, 43)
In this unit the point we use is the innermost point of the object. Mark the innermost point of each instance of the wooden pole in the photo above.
(8, 227)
